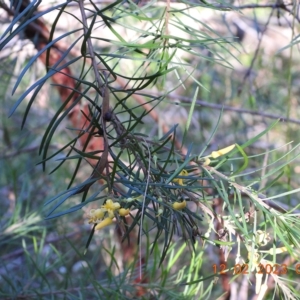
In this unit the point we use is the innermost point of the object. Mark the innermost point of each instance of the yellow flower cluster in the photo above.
(108, 209)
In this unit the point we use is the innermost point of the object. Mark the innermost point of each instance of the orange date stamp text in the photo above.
(243, 269)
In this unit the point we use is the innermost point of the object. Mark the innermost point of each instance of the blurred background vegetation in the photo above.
(245, 80)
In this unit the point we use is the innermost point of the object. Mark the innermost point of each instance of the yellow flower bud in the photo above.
(223, 151)
(99, 213)
(95, 215)
(160, 211)
(104, 223)
(179, 205)
(110, 205)
(180, 180)
(277, 250)
(124, 212)
(206, 161)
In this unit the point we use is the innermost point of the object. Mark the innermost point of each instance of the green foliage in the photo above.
(199, 213)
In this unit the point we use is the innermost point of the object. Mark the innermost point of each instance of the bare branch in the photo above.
(228, 108)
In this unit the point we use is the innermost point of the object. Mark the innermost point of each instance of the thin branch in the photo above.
(203, 103)
(26, 150)
(143, 212)
(277, 5)
(275, 209)
(90, 45)
(260, 38)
